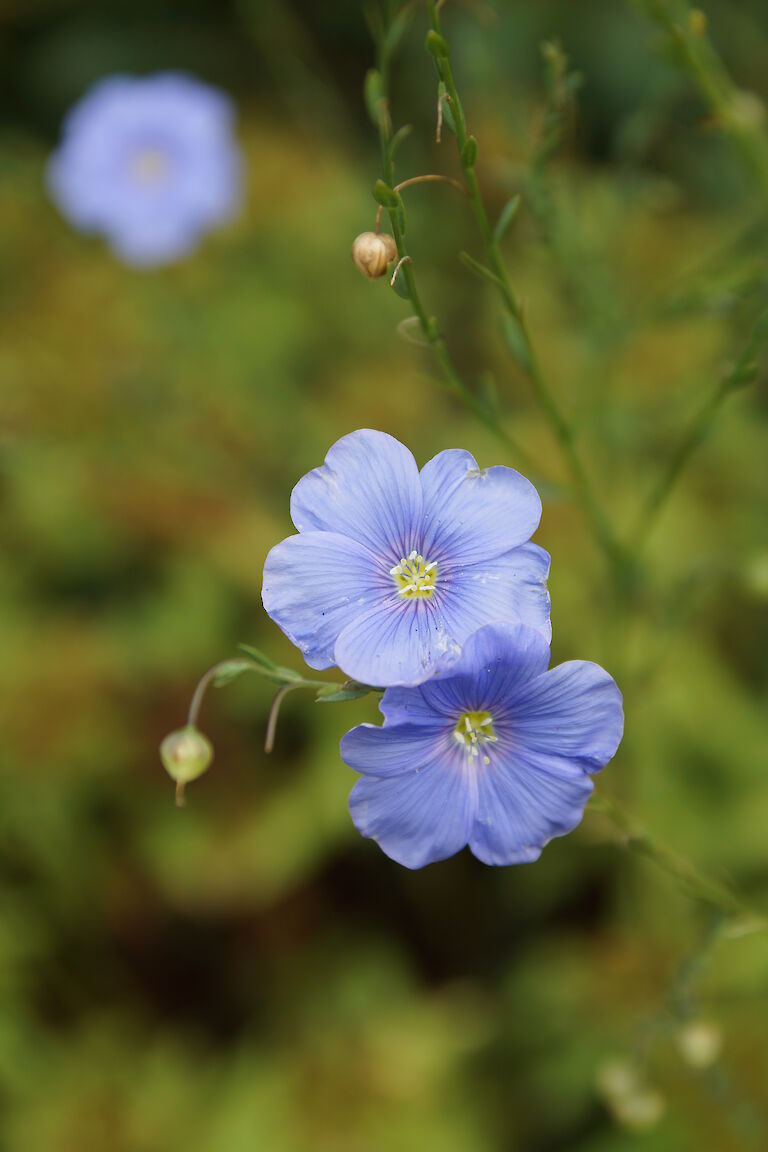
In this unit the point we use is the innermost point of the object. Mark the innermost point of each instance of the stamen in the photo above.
(414, 576)
(472, 730)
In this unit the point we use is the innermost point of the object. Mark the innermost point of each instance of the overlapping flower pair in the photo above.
(427, 584)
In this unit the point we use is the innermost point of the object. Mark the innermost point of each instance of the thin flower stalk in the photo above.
(559, 424)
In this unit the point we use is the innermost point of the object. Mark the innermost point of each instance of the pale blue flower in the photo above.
(151, 163)
(393, 569)
(497, 754)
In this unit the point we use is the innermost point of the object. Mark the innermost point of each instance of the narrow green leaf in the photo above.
(479, 269)
(397, 29)
(257, 656)
(448, 117)
(230, 670)
(516, 341)
(400, 286)
(437, 46)
(385, 195)
(469, 153)
(398, 138)
(506, 216)
(352, 690)
(375, 97)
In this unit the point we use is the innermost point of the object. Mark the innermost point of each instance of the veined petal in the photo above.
(382, 751)
(522, 802)
(317, 583)
(396, 642)
(512, 587)
(368, 489)
(495, 665)
(418, 817)
(408, 706)
(473, 514)
(572, 713)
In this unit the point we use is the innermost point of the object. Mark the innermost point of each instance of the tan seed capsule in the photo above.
(372, 252)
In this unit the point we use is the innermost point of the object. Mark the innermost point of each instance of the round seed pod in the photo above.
(372, 252)
(186, 754)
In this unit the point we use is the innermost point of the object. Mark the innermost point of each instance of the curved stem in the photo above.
(199, 694)
(274, 712)
(432, 177)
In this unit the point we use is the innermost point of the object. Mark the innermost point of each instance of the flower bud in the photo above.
(633, 1103)
(372, 252)
(700, 1043)
(186, 754)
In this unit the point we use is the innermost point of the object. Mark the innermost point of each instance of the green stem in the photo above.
(738, 113)
(560, 426)
(710, 891)
(427, 323)
(741, 373)
(230, 669)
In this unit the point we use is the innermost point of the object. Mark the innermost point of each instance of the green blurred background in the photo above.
(248, 973)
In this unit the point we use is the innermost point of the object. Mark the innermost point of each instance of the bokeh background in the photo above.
(248, 973)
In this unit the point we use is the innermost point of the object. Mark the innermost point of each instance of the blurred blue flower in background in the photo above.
(393, 569)
(151, 163)
(497, 754)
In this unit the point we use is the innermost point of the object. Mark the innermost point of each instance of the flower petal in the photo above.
(317, 583)
(572, 713)
(473, 514)
(381, 751)
(397, 642)
(368, 490)
(495, 664)
(408, 706)
(522, 802)
(418, 817)
(512, 587)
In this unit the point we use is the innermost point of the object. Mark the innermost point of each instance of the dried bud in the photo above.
(372, 252)
(186, 754)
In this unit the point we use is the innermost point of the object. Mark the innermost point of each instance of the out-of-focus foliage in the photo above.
(248, 973)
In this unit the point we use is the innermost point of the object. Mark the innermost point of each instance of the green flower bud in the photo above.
(186, 754)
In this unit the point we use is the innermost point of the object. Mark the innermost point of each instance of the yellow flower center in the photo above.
(149, 166)
(473, 731)
(415, 577)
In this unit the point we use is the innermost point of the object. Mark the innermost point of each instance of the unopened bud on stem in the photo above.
(186, 754)
(372, 252)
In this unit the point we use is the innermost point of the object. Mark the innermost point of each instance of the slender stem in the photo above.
(274, 712)
(741, 373)
(199, 694)
(420, 180)
(709, 890)
(738, 113)
(427, 323)
(560, 426)
(283, 676)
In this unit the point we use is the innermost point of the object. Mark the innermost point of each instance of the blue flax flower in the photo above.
(497, 754)
(151, 163)
(393, 569)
